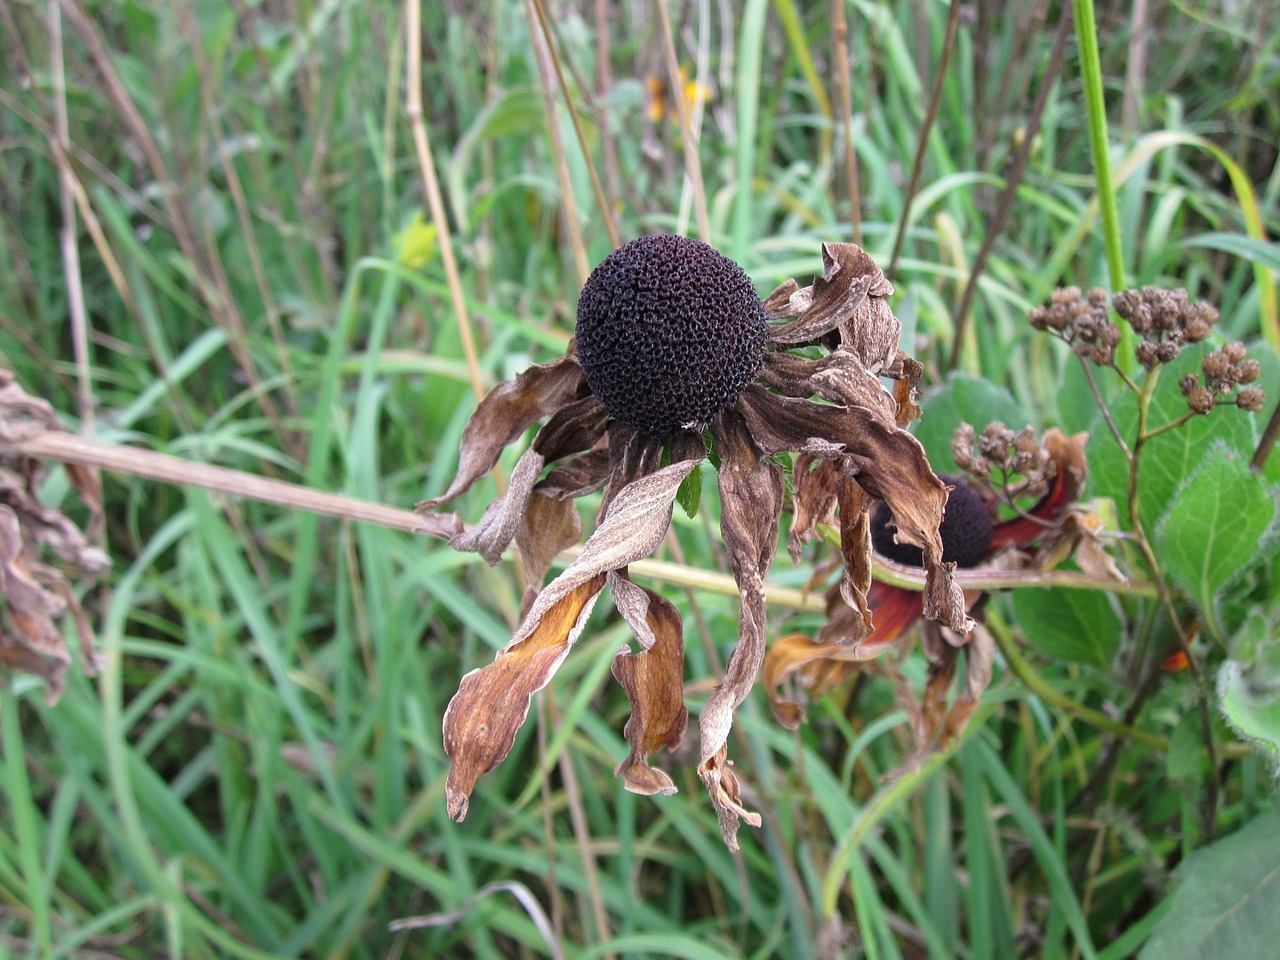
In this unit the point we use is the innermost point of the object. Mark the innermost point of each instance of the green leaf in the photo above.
(689, 494)
(1184, 761)
(1224, 906)
(1081, 626)
(1250, 248)
(1214, 529)
(1249, 683)
(964, 399)
(1169, 459)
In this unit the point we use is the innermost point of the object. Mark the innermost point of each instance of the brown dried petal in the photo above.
(505, 413)
(496, 529)
(813, 500)
(577, 476)
(491, 704)
(887, 462)
(654, 682)
(839, 378)
(751, 502)
(855, 547)
(847, 295)
(482, 719)
(549, 526)
(796, 651)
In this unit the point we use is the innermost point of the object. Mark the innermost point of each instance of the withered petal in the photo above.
(502, 518)
(573, 428)
(482, 719)
(549, 526)
(855, 548)
(576, 477)
(838, 377)
(505, 413)
(850, 295)
(813, 499)
(751, 492)
(796, 651)
(654, 681)
(887, 462)
(492, 702)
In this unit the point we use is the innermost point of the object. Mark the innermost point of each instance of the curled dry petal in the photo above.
(813, 499)
(885, 460)
(549, 526)
(849, 296)
(505, 413)
(501, 519)
(482, 719)
(751, 502)
(654, 682)
(492, 703)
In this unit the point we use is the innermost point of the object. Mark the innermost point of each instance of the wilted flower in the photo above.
(674, 346)
(973, 536)
(36, 594)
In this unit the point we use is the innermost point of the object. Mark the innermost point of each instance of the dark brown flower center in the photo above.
(669, 333)
(965, 530)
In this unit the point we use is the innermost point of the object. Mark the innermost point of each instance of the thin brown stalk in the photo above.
(692, 162)
(1135, 69)
(210, 281)
(67, 234)
(840, 32)
(1268, 441)
(241, 203)
(922, 142)
(606, 211)
(569, 205)
(1012, 181)
(604, 81)
(431, 184)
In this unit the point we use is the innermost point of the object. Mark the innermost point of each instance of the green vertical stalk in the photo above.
(24, 820)
(1096, 109)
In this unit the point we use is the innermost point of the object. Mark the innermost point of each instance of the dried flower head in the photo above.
(672, 339)
(1080, 319)
(1167, 321)
(37, 594)
(841, 647)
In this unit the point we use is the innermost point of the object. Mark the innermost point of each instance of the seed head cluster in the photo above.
(1167, 321)
(1081, 320)
(1222, 372)
(669, 333)
(1002, 451)
(965, 530)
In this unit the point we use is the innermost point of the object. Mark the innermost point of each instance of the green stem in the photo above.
(24, 819)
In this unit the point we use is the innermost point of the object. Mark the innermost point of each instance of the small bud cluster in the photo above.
(1081, 320)
(1222, 372)
(1001, 450)
(1166, 320)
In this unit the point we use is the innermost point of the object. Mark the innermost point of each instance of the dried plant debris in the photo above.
(674, 348)
(36, 594)
(986, 526)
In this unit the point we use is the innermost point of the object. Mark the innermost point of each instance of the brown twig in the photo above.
(1012, 181)
(692, 162)
(840, 34)
(922, 142)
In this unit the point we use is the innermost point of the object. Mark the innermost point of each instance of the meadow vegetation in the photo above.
(218, 242)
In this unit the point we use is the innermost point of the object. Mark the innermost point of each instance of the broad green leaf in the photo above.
(964, 399)
(1185, 760)
(1225, 904)
(1255, 715)
(1081, 626)
(1214, 529)
(1169, 459)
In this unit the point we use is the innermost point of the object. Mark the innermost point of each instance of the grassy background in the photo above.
(258, 769)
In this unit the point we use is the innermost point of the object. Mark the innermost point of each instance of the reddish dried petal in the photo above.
(654, 681)
(505, 413)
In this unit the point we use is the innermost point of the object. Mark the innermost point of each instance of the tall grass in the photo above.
(258, 771)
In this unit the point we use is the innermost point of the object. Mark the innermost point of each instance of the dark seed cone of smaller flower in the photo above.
(672, 339)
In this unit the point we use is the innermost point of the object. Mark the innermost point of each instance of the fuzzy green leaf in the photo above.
(964, 399)
(1224, 905)
(1214, 528)
(1081, 626)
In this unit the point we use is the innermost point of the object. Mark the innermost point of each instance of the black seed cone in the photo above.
(965, 530)
(669, 333)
